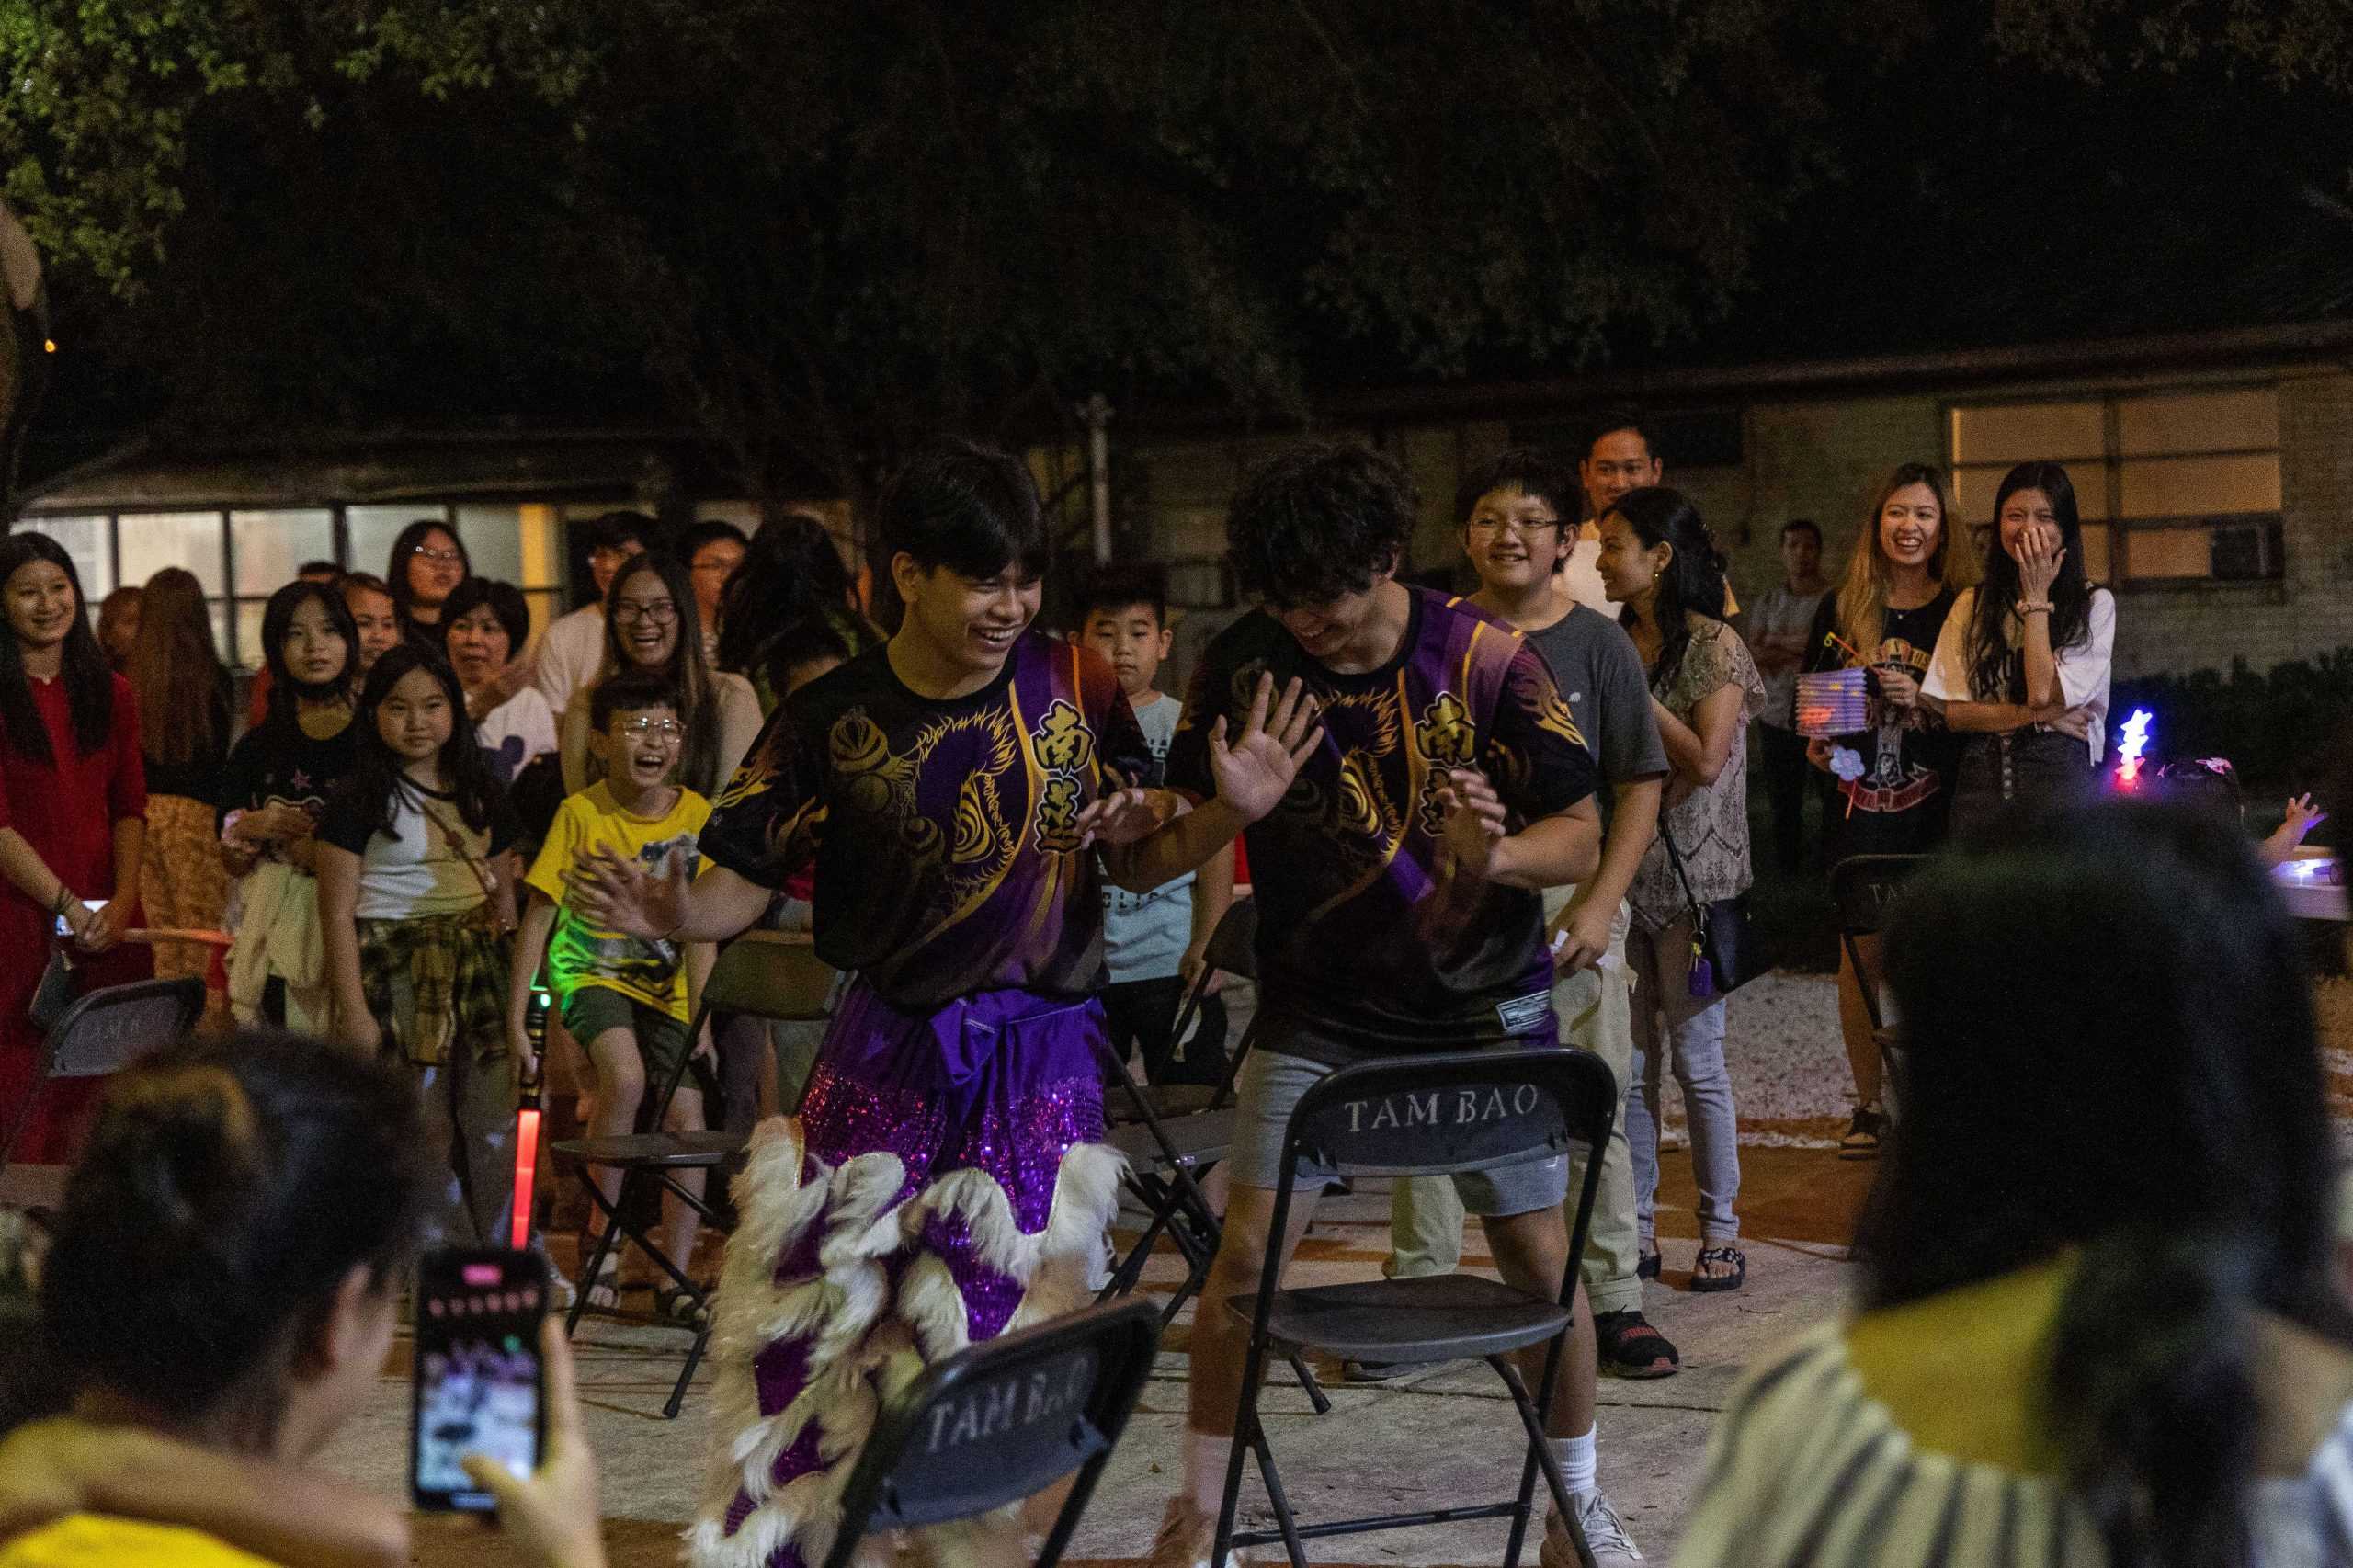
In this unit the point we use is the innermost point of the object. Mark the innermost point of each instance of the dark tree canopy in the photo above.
(812, 230)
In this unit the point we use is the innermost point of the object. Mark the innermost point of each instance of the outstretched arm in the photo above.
(1252, 775)
(617, 893)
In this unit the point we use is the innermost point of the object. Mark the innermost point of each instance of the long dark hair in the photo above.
(89, 680)
(175, 672)
(2183, 1147)
(376, 783)
(790, 573)
(278, 616)
(404, 550)
(1693, 582)
(1996, 670)
(228, 1189)
(687, 672)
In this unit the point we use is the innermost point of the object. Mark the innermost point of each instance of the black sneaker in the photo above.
(1631, 1347)
(1863, 1136)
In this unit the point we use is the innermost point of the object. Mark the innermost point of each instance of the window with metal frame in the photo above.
(2173, 486)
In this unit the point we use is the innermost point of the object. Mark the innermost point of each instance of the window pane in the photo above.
(2097, 544)
(153, 541)
(84, 539)
(2200, 487)
(493, 540)
(269, 546)
(373, 528)
(1975, 489)
(2198, 422)
(249, 651)
(2169, 552)
(2019, 432)
(220, 608)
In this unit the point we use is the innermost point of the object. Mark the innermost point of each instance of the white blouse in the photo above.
(2083, 669)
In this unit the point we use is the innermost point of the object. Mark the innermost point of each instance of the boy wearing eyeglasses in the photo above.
(626, 999)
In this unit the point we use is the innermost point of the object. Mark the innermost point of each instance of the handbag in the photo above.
(485, 875)
(1718, 944)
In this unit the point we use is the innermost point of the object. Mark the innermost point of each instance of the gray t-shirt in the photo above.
(1600, 678)
(1145, 934)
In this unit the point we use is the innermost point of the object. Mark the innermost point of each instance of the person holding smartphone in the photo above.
(218, 1300)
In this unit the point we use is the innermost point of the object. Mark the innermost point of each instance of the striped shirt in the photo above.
(1808, 1468)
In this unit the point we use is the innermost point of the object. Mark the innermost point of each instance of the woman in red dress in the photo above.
(73, 797)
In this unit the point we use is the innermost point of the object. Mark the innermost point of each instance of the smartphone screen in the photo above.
(478, 1381)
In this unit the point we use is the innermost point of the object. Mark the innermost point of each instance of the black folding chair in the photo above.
(1435, 1115)
(1864, 887)
(999, 1422)
(768, 974)
(101, 1031)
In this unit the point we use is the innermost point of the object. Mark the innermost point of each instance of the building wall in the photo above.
(1823, 457)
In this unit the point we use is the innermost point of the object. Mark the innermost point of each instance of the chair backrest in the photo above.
(1459, 1110)
(1864, 887)
(106, 1029)
(771, 974)
(1002, 1421)
(1233, 946)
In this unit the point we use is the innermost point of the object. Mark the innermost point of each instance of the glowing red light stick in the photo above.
(527, 1117)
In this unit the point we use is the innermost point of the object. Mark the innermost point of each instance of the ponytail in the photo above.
(2153, 1395)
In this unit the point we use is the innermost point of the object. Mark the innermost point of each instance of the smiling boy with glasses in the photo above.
(624, 998)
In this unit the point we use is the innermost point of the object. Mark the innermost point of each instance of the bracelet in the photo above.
(64, 895)
(2035, 606)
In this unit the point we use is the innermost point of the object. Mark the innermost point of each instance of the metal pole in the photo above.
(1096, 411)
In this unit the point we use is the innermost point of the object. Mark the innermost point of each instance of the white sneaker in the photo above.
(1186, 1534)
(1604, 1534)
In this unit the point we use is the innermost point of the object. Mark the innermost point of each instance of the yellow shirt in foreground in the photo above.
(96, 1540)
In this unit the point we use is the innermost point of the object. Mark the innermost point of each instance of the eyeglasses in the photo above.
(1490, 528)
(668, 729)
(660, 612)
(439, 557)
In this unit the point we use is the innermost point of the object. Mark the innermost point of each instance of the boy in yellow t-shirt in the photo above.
(624, 998)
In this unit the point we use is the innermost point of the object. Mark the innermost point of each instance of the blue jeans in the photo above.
(1694, 1046)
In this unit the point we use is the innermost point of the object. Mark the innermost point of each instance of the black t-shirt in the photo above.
(944, 831)
(1896, 804)
(277, 763)
(1363, 946)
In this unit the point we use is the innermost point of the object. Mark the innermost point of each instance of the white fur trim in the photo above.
(866, 1347)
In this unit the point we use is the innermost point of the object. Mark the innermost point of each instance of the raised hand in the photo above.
(2302, 818)
(1255, 772)
(2040, 557)
(1474, 821)
(617, 893)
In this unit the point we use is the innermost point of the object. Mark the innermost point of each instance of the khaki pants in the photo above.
(1594, 1007)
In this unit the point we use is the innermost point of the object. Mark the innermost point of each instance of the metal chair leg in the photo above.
(686, 1373)
(612, 1215)
(1284, 1521)
(1539, 1452)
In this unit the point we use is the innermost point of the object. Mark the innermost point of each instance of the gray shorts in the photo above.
(1269, 1091)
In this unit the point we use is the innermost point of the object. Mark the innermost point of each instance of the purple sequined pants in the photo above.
(942, 1161)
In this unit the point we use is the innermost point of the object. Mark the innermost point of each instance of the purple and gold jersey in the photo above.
(944, 832)
(1363, 944)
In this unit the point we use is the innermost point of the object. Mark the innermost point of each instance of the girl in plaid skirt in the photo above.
(416, 899)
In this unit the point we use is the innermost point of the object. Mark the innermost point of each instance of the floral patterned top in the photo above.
(1710, 823)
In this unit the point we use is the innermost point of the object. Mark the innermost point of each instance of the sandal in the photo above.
(604, 1292)
(1647, 1265)
(1737, 1259)
(677, 1305)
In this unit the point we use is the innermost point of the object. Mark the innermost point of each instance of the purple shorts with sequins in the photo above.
(1004, 1086)
(1003, 1081)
